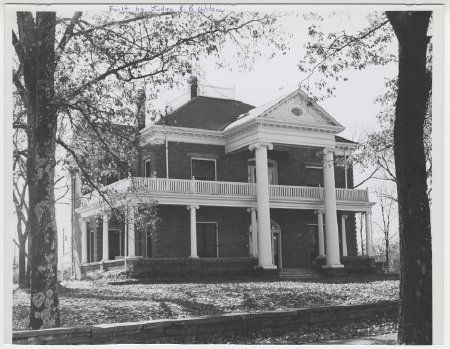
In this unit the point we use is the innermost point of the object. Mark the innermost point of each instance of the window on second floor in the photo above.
(148, 168)
(203, 169)
(272, 171)
(314, 176)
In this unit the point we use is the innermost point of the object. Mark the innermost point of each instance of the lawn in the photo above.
(93, 302)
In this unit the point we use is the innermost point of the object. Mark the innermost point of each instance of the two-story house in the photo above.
(239, 188)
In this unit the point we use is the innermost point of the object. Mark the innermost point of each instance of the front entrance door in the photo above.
(276, 244)
(207, 240)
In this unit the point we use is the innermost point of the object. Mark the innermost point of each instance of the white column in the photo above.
(331, 225)
(344, 235)
(369, 233)
(193, 209)
(254, 251)
(262, 197)
(105, 253)
(84, 241)
(320, 232)
(131, 231)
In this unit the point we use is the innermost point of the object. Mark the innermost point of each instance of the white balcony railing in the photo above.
(240, 189)
(283, 191)
(158, 187)
(170, 185)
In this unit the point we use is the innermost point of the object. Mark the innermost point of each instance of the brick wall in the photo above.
(201, 329)
(292, 163)
(172, 239)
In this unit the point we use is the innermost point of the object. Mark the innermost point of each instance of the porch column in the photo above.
(331, 225)
(84, 241)
(193, 209)
(320, 231)
(254, 251)
(262, 197)
(131, 231)
(369, 233)
(344, 236)
(105, 254)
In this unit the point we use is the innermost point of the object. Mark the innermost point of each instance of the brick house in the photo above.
(239, 188)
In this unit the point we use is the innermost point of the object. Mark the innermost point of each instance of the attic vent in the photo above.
(296, 111)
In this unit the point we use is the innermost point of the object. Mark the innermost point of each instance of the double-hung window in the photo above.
(203, 169)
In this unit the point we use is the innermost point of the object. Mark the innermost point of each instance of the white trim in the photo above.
(217, 236)
(205, 159)
(314, 167)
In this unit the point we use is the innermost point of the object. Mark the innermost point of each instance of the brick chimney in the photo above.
(193, 87)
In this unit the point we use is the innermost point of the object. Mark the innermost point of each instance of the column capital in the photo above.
(327, 151)
(344, 216)
(83, 219)
(319, 211)
(195, 207)
(250, 209)
(258, 145)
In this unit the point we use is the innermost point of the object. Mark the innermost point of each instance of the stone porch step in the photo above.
(298, 273)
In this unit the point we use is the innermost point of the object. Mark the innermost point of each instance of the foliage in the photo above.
(86, 67)
(377, 147)
(329, 55)
(134, 302)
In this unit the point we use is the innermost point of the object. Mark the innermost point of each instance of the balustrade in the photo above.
(238, 189)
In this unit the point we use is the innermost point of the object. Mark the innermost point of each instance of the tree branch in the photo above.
(87, 176)
(336, 50)
(67, 35)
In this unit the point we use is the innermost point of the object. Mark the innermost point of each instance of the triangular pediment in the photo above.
(297, 108)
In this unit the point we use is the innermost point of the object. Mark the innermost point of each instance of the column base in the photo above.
(267, 272)
(267, 267)
(332, 270)
(333, 266)
(194, 257)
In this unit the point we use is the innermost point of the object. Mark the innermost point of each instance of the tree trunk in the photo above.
(23, 283)
(414, 84)
(387, 250)
(38, 40)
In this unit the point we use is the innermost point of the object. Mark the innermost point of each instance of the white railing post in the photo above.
(193, 184)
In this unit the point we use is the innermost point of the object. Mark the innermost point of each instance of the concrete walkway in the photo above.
(382, 339)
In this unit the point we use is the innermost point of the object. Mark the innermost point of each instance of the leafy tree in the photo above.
(85, 67)
(377, 147)
(332, 55)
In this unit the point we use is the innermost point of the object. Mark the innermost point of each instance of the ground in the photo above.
(93, 302)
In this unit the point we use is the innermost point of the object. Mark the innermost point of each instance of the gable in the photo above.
(296, 109)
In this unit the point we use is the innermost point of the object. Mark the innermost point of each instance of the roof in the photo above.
(343, 140)
(208, 113)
